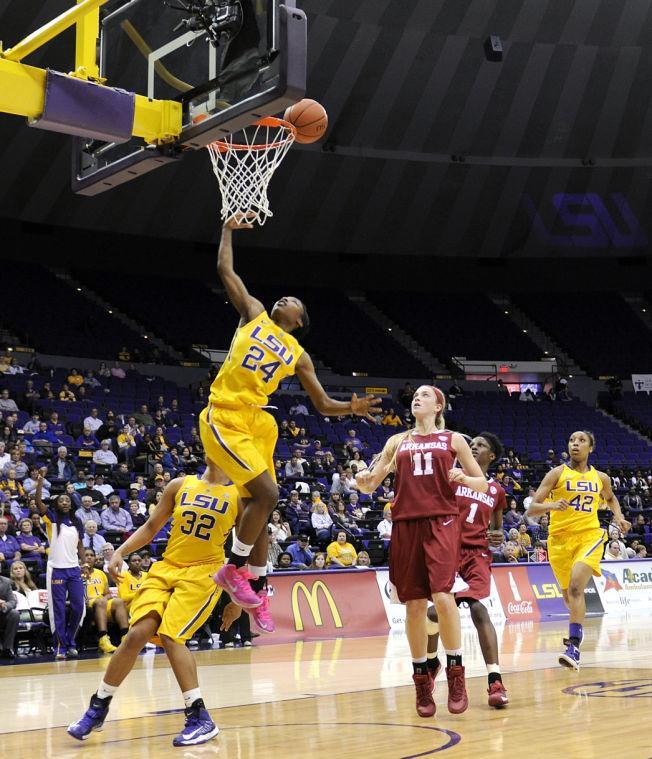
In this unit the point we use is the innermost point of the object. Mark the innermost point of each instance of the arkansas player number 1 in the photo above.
(471, 516)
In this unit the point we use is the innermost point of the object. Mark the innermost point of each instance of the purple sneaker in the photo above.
(261, 619)
(236, 583)
(199, 728)
(93, 718)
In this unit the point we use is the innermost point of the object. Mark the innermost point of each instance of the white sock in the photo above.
(432, 655)
(190, 696)
(493, 669)
(241, 549)
(454, 652)
(104, 691)
(257, 571)
(420, 660)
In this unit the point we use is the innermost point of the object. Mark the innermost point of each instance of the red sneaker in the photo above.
(261, 619)
(458, 701)
(425, 704)
(236, 583)
(497, 695)
(432, 676)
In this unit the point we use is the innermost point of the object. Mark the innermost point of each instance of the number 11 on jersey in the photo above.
(418, 463)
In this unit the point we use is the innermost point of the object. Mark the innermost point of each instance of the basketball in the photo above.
(309, 119)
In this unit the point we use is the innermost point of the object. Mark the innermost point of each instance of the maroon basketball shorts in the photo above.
(475, 570)
(424, 556)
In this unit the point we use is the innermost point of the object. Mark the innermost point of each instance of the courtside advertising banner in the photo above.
(626, 586)
(516, 593)
(315, 605)
(549, 597)
(396, 611)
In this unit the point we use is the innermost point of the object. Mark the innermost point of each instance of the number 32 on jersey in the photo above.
(200, 523)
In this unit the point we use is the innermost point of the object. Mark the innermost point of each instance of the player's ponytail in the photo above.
(440, 421)
(396, 442)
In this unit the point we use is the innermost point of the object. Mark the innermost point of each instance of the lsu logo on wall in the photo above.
(586, 220)
(547, 590)
(318, 590)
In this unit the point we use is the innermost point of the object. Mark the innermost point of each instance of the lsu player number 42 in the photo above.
(240, 436)
(572, 494)
(177, 596)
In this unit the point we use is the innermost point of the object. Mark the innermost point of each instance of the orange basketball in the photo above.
(309, 118)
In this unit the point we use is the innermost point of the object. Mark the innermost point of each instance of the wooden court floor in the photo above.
(351, 698)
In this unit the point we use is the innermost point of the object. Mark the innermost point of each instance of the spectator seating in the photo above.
(187, 312)
(52, 317)
(601, 332)
(183, 312)
(453, 325)
(534, 428)
(636, 410)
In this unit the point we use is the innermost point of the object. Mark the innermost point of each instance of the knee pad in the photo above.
(432, 627)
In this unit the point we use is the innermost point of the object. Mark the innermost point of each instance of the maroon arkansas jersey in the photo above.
(421, 486)
(476, 510)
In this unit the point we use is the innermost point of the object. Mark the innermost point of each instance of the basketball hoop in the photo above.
(244, 169)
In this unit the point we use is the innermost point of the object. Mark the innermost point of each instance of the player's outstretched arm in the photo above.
(369, 479)
(146, 533)
(613, 504)
(538, 505)
(323, 402)
(246, 305)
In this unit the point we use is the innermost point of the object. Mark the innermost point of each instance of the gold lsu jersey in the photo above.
(260, 357)
(129, 586)
(96, 584)
(583, 491)
(202, 518)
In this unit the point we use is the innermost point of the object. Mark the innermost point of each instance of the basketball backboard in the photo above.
(228, 62)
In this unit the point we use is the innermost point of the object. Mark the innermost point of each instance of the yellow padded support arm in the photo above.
(22, 93)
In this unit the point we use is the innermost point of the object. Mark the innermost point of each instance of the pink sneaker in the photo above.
(236, 583)
(261, 619)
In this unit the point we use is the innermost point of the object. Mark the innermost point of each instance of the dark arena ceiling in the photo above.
(432, 149)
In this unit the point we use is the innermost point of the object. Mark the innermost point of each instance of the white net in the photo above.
(244, 169)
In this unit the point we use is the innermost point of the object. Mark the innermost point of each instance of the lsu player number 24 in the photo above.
(240, 436)
(178, 595)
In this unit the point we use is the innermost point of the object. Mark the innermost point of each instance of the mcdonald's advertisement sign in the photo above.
(314, 605)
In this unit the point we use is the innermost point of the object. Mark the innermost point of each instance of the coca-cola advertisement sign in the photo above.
(516, 594)
(519, 609)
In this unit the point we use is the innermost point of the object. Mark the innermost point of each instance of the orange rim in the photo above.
(267, 121)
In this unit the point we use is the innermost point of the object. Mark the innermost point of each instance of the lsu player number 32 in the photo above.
(240, 436)
(178, 595)
(572, 494)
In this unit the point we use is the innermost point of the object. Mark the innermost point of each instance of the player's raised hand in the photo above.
(365, 406)
(560, 505)
(229, 615)
(115, 566)
(240, 221)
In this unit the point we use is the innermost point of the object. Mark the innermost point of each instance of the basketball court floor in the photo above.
(352, 697)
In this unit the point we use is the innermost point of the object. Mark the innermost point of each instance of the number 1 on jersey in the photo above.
(417, 463)
(473, 508)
